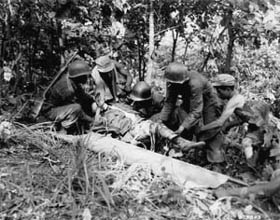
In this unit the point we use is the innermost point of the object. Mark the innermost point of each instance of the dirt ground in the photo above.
(42, 177)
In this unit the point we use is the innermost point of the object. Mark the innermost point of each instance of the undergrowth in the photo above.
(42, 177)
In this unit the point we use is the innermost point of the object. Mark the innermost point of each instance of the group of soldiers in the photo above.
(190, 109)
(191, 104)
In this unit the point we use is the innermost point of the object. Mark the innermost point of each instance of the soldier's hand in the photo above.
(186, 145)
(180, 130)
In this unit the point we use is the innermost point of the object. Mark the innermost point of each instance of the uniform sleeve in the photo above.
(169, 104)
(124, 72)
(196, 106)
(100, 87)
(84, 99)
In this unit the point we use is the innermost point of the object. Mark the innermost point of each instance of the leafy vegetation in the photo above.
(46, 178)
(239, 37)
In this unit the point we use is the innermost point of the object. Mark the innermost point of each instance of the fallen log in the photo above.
(182, 173)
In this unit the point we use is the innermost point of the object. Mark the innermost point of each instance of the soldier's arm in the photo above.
(99, 88)
(169, 104)
(85, 100)
(179, 142)
(235, 121)
(236, 102)
(242, 115)
(196, 105)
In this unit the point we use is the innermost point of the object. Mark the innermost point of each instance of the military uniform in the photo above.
(253, 113)
(111, 79)
(199, 104)
(122, 122)
(67, 102)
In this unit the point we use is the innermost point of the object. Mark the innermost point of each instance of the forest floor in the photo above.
(42, 177)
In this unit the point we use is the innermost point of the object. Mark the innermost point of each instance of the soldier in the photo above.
(224, 85)
(111, 79)
(146, 101)
(124, 123)
(260, 141)
(255, 115)
(199, 106)
(67, 102)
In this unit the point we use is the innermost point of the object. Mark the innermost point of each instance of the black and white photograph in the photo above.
(139, 109)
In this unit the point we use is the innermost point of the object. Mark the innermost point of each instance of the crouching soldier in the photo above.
(112, 81)
(67, 103)
(145, 100)
(236, 111)
(199, 107)
(261, 131)
(228, 96)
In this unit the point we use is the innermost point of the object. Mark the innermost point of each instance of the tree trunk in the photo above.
(3, 37)
(230, 44)
(186, 50)
(2, 59)
(139, 59)
(175, 38)
(151, 43)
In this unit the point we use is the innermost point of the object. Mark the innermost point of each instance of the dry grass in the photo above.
(42, 177)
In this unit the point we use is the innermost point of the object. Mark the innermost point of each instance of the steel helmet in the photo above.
(141, 91)
(78, 68)
(224, 80)
(176, 73)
